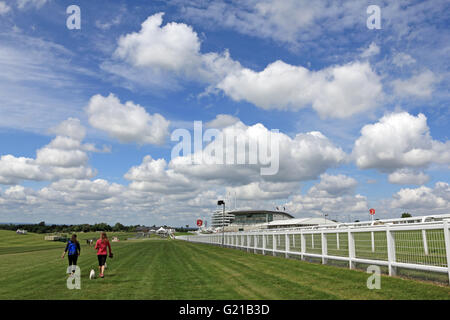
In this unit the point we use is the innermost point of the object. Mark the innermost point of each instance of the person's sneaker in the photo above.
(101, 275)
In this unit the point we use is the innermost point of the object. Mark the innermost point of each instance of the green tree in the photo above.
(118, 227)
(406, 215)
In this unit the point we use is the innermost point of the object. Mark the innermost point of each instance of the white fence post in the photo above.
(425, 242)
(391, 251)
(263, 244)
(351, 249)
(372, 240)
(248, 243)
(287, 246)
(324, 248)
(447, 246)
(274, 244)
(303, 245)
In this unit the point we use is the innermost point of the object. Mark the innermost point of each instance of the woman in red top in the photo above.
(101, 247)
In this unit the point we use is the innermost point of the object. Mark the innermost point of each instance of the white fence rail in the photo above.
(417, 246)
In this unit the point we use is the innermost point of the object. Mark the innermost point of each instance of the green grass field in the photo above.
(31, 268)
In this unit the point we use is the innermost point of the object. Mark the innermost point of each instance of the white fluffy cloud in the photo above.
(399, 140)
(127, 122)
(14, 169)
(98, 189)
(60, 157)
(264, 190)
(407, 176)
(69, 199)
(173, 47)
(333, 186)
(194, 188)
(333, 195)
(163, 50)
(420, 85)
(338, 91)
(71, 128)
(64, 157)
(222, 121)
(301, 158)
(66, 149)
(19, 195)
(424, 200)
(154, 176)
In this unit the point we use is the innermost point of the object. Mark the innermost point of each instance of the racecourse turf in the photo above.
(32, 268)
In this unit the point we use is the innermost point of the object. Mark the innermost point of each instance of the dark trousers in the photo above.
(73, 259)
(101, 259)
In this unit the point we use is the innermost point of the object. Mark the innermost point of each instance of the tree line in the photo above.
(41, 227)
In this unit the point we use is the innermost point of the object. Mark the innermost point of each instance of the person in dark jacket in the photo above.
(73, 249)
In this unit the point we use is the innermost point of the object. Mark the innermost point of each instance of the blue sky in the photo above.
(86, 115)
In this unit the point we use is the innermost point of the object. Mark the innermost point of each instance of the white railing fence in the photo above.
(417, 246)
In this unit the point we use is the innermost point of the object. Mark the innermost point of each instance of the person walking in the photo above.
(73, 249)
(102, 246)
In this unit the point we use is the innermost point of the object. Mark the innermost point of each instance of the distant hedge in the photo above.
(64, 228)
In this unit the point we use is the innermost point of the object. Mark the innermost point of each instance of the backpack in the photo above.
(72, 248)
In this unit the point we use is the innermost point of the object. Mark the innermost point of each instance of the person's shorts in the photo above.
(73, 259)
(101, 259)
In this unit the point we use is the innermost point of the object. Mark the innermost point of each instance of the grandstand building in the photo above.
(247, 217)
(255, 219)
(246, 220)
(251, 217)
(218, 219)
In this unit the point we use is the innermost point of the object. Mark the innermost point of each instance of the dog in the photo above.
(92, 274)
